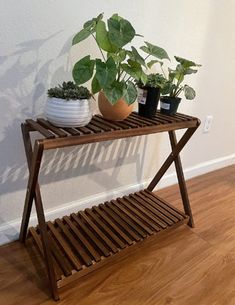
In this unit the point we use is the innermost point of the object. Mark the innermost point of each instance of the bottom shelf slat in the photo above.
(87, 240)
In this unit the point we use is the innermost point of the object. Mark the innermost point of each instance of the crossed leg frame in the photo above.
(34, 158)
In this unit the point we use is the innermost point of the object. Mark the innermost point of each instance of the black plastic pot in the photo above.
(169, 105)
(148, 101)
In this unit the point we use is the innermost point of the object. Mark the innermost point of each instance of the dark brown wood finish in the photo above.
(80, 243)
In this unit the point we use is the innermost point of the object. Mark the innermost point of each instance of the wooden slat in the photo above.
(107, 123)
(101, 125)
(164, 216)
(141, 212)
(94, 128)
(159, 207)
(84, 130)
(37, 240)
(128, 220)
(61, 260)
(48, 125)
(159, 220)
(153, 122)
(72, 131)
(74, 243)
(140, 120)
(136, 122)
(108, 220)
(48, 134)
(106, 229)
(91, 235)
(101, 235)
(135, 217)
(166, 204)
(120, 222)
(64, 245)
(83, 240)
(178, 214)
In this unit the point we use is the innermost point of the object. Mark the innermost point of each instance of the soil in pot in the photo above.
(117, 112)
(148, 101)
(169, 105)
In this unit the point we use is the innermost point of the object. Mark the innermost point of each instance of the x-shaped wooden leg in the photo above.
(34, 158)
(174, 157)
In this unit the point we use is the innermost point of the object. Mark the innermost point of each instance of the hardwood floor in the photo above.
(185, 267)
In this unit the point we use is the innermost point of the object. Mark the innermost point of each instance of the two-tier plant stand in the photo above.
(82, 242)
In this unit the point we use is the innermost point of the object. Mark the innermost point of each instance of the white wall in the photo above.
(35, 54)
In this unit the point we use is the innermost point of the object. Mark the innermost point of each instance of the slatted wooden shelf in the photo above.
(87, 239)
(100, 129)
(82, 242)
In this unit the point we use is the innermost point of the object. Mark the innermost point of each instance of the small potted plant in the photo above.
(114, 74)
(174, 86)
(68, 105)
(149, 94)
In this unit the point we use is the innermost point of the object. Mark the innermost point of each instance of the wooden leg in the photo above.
(170, 159)
(33, 191)
(181, 180)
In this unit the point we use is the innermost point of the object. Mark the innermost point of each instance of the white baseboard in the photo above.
(9, 231)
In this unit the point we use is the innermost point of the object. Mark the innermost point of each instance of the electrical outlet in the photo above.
(207, 124)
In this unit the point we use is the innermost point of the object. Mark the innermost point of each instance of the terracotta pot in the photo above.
(117, 112)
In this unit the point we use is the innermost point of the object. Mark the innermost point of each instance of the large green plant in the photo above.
(120, 64)
(173, 85)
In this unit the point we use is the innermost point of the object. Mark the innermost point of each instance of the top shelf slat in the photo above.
(134, 125)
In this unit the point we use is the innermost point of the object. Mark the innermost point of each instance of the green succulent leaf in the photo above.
(154, 51)
(189, 92)
(106, 72)
(95, 86)
(114, 92)
(130, 94)
(185, 62)
(83, 70)
(120, 31)
(102, 37)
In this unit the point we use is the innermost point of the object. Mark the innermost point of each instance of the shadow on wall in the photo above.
(24, 80)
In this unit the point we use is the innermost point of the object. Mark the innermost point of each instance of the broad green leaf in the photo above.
(130, 94)
(102, 37)
(80, 36)
(153, 62)
(119, 56)
(114, 92)
(189, 92)
(155, 51)
(133, 68)
(120, 31)
(134, 55)
(83, 70)
(144, 78)
(92, 23)
(190, 71)
(106, 72)
(95, 86)
(185, 62)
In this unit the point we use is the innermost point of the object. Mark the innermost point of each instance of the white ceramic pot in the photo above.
(71, 113)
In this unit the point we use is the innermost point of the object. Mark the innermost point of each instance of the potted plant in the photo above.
(68, 105)
(149, 94)
(174, 86)
(113, 75)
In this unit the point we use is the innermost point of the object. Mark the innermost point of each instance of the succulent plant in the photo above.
(69, 91)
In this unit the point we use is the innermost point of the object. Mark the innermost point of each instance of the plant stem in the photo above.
(99, 47)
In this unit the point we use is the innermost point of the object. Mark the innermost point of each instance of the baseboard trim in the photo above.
(9, 231)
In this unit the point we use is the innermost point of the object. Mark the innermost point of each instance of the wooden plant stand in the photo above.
(77, 244)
